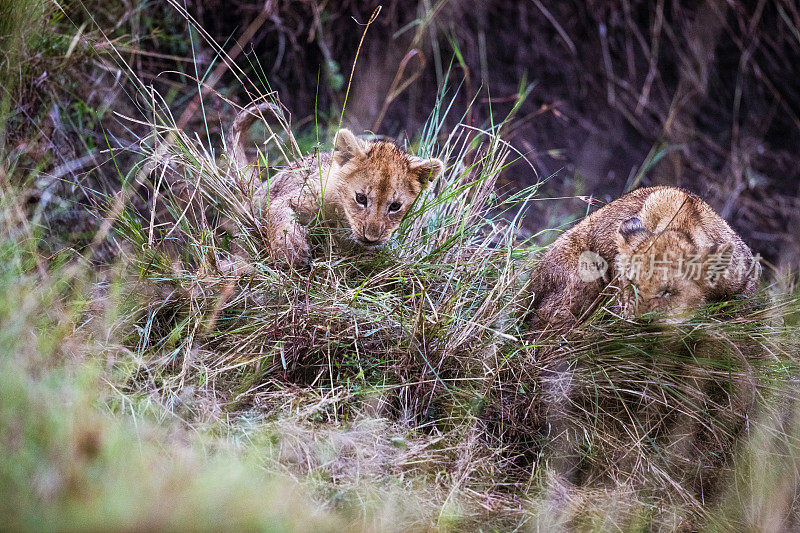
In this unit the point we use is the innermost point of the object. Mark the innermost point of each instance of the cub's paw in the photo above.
(293, 251)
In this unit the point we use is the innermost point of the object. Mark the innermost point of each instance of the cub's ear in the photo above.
(346, 147)
(632, 233)
(426, 170)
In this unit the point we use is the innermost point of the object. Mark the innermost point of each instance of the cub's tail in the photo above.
(241, 123)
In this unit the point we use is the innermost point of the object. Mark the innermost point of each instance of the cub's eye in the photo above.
(361, 199)
(665, 293)
(395, 206)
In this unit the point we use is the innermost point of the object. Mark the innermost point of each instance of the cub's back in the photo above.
(597, 232)
(561, 293)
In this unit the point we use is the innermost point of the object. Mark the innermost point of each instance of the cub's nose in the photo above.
(372, 234)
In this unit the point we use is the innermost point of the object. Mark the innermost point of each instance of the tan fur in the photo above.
(659, 229)
(326, 190)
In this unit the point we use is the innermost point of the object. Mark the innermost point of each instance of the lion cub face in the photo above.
(375, 184)
(665, 272)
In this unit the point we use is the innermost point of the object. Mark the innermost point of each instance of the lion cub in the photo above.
(662, 248)
(362, 192)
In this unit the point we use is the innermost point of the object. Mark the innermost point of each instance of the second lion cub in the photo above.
(663, 249)
(362, 192)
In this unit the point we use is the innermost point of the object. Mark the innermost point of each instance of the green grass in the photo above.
(69, 460)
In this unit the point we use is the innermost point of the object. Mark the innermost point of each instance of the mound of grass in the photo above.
(418, 359)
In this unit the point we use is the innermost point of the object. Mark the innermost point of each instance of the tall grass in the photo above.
(426, 339)
(71, 459)
(21, 27)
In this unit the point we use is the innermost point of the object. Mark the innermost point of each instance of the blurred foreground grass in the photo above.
(70, 463)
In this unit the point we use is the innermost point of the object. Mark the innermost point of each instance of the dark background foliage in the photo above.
(699, 94)
(624, 93)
